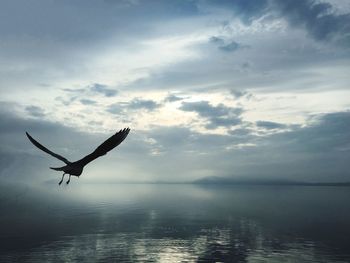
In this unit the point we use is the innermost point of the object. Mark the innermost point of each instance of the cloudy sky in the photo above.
(254, 89)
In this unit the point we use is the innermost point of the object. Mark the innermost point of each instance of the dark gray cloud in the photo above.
(134, 104)
(226, 46)
(319, 151)
(138, 103)
(35, 111)
(218, 116)
(318, 18)
(230, 47)
(88, 102)
(269, 125)
(241, 132)
(217, 41)
(74, 94)
(329, 134)
(205, 109)
(172, 98)
(238, 93)
(81, 93)
(316, 152)
(104, 90)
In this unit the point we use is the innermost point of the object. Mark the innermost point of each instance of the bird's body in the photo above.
(76, 168)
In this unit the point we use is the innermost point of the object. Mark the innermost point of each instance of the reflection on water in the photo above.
(174, 223)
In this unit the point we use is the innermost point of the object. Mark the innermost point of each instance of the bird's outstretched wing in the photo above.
(43, 148)
(105, 147)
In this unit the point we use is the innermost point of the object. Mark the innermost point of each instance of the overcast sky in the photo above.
(254, 89)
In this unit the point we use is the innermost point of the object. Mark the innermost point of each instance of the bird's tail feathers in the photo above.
(58, 168)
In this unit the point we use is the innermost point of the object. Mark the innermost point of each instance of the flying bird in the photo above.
(76, 168)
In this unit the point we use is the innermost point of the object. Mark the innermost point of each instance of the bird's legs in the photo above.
(68, 180)
(61, 179)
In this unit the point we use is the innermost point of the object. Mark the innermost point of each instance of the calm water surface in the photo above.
(174, 223)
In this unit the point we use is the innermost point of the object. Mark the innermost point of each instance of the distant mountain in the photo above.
(233, 181)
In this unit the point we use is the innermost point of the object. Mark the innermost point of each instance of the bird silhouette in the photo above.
(76, 168)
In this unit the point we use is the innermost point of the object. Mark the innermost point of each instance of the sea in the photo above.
(173, 223)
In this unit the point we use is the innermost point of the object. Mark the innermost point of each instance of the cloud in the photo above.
(172, 98)
(138, 103)
(230, 47)
(238, 93)
(327, 134)
(35, 111)
(104, 90)
(217, 40)
(318, 18)
(134, 104)
(269, 125)
(316, 152)
(218, 116)
(226, 46)
(88, 102)
(81, 93)
(241, 132)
